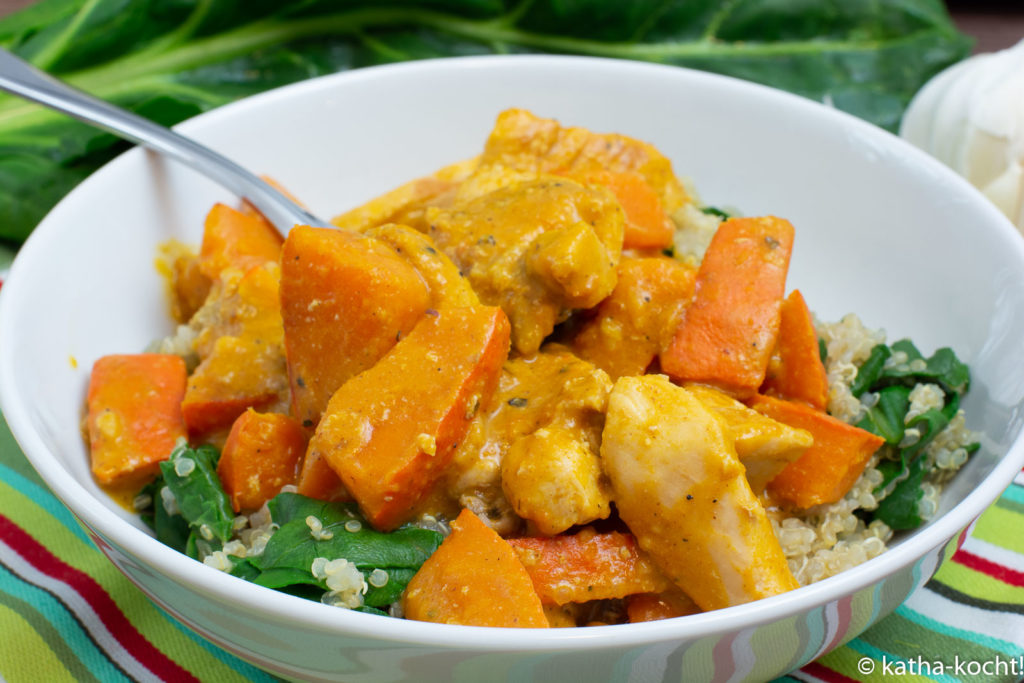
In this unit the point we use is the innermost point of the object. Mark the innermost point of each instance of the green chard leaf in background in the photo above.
(172, 59)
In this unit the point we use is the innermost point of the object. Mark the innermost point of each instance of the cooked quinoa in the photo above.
(824, 540)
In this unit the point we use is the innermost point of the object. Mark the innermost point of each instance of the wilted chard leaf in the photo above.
(171, 59)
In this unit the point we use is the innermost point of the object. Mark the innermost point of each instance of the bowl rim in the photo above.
(287, 608)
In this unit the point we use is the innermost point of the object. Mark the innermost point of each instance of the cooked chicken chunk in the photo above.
(538, 249)
(681, 489)
(559, 400)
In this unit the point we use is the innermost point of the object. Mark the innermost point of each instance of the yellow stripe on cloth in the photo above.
(27, 657)
(1001, 526)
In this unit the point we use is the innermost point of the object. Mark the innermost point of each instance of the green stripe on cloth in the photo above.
(844, 659)
(58, 627)
(139, 610)
(40, 495)
(11, 455)
(28, 656)
(998, 522)
(861, 648)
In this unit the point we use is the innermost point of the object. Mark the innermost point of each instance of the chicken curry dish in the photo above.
(543, 387)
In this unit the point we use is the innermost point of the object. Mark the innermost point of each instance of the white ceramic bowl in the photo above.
(882, 231)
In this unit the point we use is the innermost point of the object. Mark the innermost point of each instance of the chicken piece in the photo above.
(553, 479)
(538, 249)
(550, 390)
(764, 446)
(405, 204)
(680, 487)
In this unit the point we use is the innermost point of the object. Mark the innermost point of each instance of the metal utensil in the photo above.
(20, 78)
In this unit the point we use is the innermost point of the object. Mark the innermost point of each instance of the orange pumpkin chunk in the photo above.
(390, 432)
(474, 578)
(134, 419)
(345, 300)
(260, 456)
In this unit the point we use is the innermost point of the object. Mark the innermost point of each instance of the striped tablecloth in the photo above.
(67, 614)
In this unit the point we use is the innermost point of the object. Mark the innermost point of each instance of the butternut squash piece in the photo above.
(238, 240)
(390, 432)
(244, 366)
(588, 566)
(447, 286)
(345, 300)
(475, 579)
(727, 335)
(634, 323)
(134, 420)
(831, 466)
(318, 480)
(796, 371)
(260, 456)
(682, 491)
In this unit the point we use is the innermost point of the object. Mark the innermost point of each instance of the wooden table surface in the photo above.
(995, 24)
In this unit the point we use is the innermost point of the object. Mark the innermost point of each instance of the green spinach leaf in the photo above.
(171, 59)
(345, 534)
(191, 475)
(943, 368)
(170, 529)
(869, 372)
(885, 418)
(900, 508)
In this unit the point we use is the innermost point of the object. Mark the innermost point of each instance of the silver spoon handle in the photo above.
(20, 78)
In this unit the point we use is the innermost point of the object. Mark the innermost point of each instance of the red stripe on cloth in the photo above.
(826, 674)
(996, 571)
(101, 603)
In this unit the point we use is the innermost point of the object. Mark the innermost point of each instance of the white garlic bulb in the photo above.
(971, 117)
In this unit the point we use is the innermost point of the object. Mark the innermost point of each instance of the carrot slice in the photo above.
(796, 372)
(647, 225)
(345, 299)
(831, 466)
(134, 420)
(260, 456)
(390, 432)
(727, 335)
(632, 324)
(588, 566)
(235, 239)
(474, 578)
